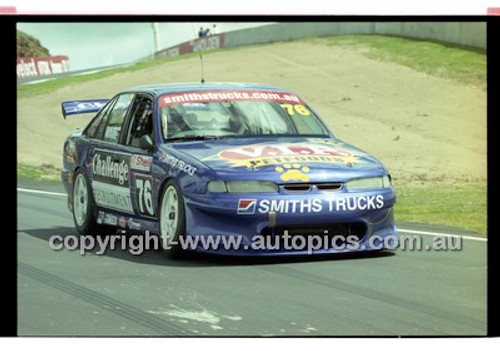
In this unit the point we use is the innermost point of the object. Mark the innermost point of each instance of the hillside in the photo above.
(28, 46)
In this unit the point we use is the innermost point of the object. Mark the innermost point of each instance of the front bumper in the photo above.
(366, 215)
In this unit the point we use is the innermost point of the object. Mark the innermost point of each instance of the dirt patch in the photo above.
(422, 127)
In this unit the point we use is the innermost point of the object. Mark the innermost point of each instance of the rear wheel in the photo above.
(84, 209)
(172, 219)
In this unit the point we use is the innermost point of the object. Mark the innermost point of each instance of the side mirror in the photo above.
(146, 143)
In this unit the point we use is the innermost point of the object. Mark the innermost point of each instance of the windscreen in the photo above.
(236, 113)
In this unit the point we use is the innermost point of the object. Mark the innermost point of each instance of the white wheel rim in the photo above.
(169, 217)
(80, 200)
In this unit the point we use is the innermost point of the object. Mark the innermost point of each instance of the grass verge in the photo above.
(462, 206)
(44, 172)
(466, 65)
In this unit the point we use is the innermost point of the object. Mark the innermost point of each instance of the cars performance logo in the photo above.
(246, 206)
(271, 154)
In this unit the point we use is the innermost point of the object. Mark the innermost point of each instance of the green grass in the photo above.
(462, 206)
(444, 60)
(43, 172)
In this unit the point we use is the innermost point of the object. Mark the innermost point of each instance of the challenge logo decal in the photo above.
(111, 181)
(109, 169)
(259, 155)
(246, 206)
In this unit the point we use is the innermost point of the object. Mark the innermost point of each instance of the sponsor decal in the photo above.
(90, 105)
(111, 180)
(212, 42)
(141, 162)
(341, 204)
(293, 172)
(254, 156)
(208, 43)
(133, 225)
(100, 217)
(111, 168)
(70, 152)
(176, 164)
(225, 95)
(246, 206)
(106, 218)
(112, 196)
(122, 222)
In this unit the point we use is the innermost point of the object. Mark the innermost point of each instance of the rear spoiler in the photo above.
(82, 106)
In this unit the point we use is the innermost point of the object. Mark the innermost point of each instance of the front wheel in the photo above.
(83, 209)
(172, 219)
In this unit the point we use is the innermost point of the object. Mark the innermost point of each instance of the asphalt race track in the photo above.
(401, 293)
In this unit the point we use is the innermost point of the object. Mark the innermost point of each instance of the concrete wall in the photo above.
(471, 34)
(291, 31)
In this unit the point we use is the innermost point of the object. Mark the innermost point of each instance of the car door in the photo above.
(108, 163)
(140, 123)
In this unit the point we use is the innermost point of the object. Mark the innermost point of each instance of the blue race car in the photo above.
(202, 164)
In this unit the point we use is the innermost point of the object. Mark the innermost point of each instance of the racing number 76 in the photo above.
(300, 109)
(144, 196)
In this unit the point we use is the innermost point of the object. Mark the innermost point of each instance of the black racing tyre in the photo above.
(172, 220)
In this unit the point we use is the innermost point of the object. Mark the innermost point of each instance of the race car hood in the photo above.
(283, 160)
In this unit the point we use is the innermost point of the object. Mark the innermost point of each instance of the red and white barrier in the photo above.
(41, 66)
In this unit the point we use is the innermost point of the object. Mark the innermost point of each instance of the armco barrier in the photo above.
(41, 66)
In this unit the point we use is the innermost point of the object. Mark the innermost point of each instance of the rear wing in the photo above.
(82, 106)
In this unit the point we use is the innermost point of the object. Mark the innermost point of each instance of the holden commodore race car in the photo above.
(224, 160)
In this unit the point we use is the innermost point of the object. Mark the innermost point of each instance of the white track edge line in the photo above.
(420, 232)
(40, 192)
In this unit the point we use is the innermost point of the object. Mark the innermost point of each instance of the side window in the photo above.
(95, 127)
(116, 118)
(141, 121)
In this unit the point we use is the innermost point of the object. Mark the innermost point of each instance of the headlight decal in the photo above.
(250, 186)
(368, 183)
